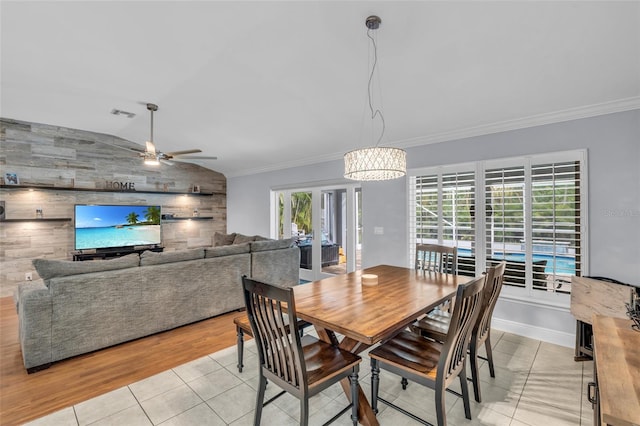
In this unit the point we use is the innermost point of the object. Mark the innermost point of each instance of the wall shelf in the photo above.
(171, 219)
(45, 219)
(56, 188)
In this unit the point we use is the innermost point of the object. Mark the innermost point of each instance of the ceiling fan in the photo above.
(153, 157)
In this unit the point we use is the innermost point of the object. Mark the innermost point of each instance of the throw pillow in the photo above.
(226, 250)
(220, 239)
(47, 268)
(152, 258)
(271, 244)
(240, 239)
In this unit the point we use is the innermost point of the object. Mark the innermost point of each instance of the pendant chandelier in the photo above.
(376, 162)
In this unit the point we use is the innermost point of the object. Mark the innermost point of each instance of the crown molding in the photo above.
(619, 105)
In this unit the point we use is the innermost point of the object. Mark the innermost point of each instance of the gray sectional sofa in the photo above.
(79, 307)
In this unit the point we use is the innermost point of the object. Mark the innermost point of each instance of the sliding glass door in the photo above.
(325, 221)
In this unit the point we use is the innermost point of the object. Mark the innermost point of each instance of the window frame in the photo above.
(525, 294)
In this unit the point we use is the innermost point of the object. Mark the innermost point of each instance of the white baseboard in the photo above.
(545, 334)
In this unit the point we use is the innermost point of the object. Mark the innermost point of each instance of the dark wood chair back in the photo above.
(284, 354)
(429, 362)
(492, 288)
(436, 258)
(278, 342)
(466, 309)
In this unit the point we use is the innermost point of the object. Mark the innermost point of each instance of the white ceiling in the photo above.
(266, 85)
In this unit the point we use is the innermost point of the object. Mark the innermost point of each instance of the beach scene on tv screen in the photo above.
(116, 226)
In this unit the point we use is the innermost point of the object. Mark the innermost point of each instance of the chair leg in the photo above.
(475, 377)
(353, 378)
(304, 410)
(465, 392)
(375, 384)
(487, 346)
(262, 385)
(240, 345)
(440, 412)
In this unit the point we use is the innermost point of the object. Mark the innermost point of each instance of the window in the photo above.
(444, 211)
(530, 212)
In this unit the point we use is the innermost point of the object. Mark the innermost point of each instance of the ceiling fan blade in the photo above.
(195, 157)
(188, 151)
(151, 148)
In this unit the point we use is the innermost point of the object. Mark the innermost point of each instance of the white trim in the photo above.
(584, 226)
(556, 305)
(619, 105)
(528, 294)
(326, 184)
(539, 333)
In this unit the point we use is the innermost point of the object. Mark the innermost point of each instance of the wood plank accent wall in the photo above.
(58, 157)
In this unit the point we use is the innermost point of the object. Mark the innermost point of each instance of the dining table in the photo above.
(356, 316)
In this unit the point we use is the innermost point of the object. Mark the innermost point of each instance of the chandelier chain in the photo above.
(377, 112)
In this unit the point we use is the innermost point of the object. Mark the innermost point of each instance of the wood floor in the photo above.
(25, 397)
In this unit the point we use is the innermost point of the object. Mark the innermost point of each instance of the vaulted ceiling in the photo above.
(266, 85)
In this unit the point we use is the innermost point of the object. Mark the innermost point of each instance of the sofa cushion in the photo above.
(220, 239)
(48, 268)
(226, 250)
(152, 258)
(241, 239)
(271, 244)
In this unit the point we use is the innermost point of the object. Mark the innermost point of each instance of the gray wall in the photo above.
(613, 144)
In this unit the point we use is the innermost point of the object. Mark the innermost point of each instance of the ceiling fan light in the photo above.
(150, 159)
(151, 148)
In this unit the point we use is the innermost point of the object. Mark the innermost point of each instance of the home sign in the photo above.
(120, 186)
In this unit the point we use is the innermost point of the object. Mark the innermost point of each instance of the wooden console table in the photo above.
(616, 371)
(592, 296)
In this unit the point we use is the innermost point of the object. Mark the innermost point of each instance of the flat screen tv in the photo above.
(109, 226)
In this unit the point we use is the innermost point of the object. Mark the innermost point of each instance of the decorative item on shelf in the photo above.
(633, 309)
(11, 179)
(195, 189)
(39, 213)
(369, 279)
(376, 162)
(195, 212)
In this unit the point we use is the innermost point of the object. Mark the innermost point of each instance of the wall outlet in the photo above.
(28, 276)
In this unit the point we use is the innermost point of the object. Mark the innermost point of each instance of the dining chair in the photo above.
(436, 323)
(301, 366)
(436, 258)
(430, 363)
(243, 326)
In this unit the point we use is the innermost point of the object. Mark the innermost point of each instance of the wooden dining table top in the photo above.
(369, 313)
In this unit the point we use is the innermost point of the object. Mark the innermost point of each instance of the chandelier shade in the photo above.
(375, 163)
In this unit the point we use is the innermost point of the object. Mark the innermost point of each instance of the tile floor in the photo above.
(536, 383)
